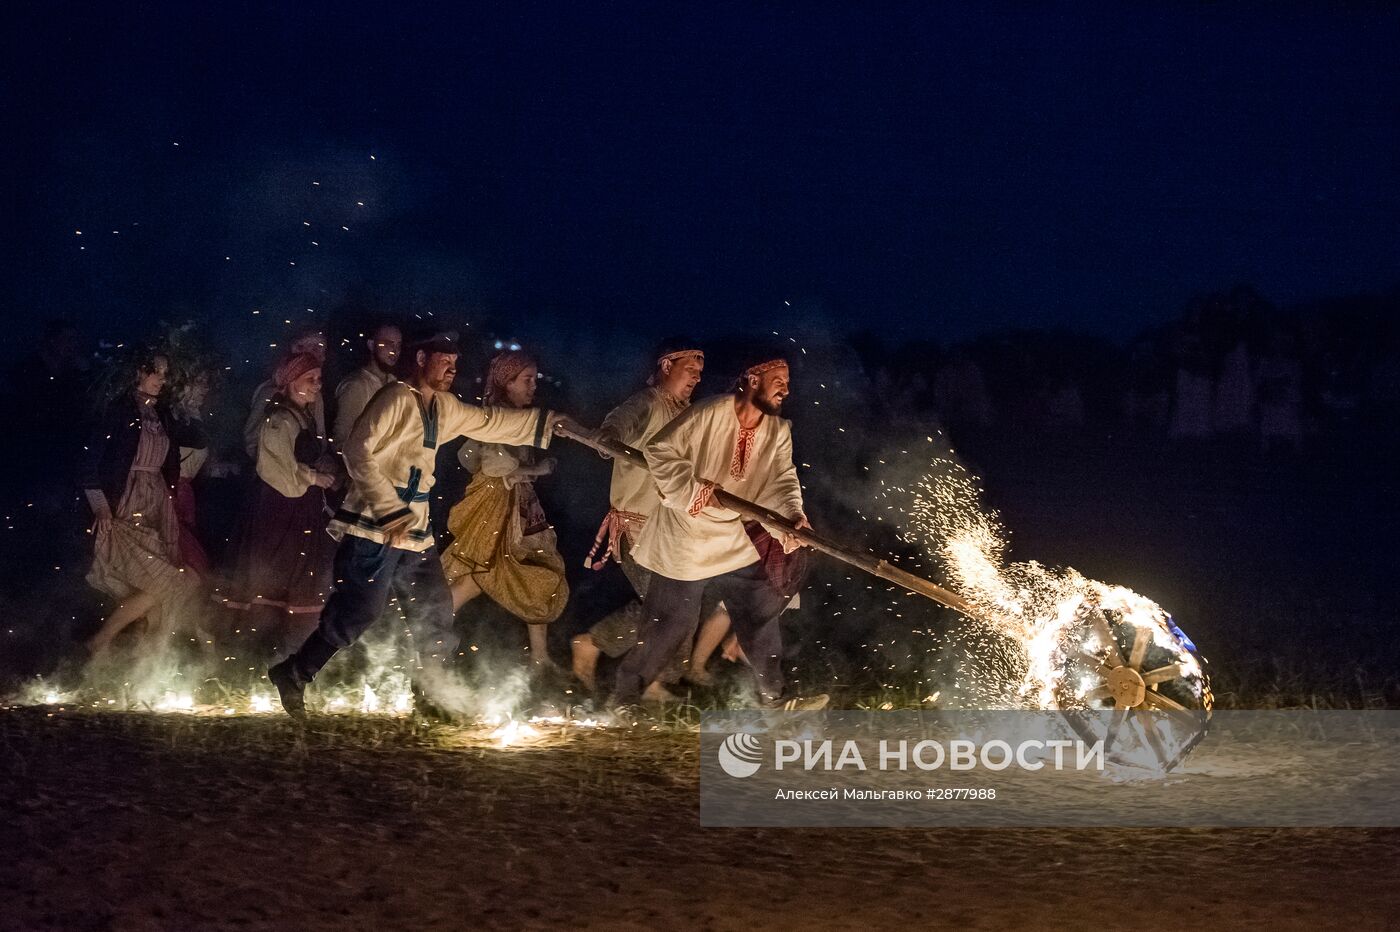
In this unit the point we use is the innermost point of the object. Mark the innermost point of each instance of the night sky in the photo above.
(919, 172)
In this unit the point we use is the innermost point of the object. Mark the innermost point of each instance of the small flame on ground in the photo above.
(513, 731)
(175, 702)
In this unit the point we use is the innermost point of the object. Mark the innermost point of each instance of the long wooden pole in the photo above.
(872, 565)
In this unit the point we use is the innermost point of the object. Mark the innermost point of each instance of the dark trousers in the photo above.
(366, 573)
(672, 610)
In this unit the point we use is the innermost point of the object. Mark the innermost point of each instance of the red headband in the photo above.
(679, 354)
(672, 357)
(765, 366)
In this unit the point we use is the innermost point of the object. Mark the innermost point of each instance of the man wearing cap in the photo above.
(695, 548)
(633, 498)
(386, 545)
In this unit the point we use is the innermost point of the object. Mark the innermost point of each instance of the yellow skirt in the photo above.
(524, 575)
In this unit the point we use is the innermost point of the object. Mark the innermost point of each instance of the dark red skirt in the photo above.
(283, 555)
(192, 553)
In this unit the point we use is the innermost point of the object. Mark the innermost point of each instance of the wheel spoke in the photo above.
(1162, 674)
(1097, 693)
(1148, 730)
(1114, 723)
(1162, 703)
(1115, 659)
(1141, 639)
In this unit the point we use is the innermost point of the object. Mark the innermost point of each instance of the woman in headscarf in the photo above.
(129, 481)
(283, 555)
(502, 544)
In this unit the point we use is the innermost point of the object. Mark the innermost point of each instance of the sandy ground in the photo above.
(125, 821)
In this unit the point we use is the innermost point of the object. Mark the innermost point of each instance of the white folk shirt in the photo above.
(352, 395)
(635, 422)
(707, 443)
(391, 456)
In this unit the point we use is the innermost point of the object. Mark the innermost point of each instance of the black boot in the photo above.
(292, 675)
(290, 690)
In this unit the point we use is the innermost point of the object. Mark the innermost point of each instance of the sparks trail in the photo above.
(1083, 644)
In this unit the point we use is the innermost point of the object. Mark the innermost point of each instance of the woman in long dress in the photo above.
(283, 555)
(502, 544)
(130, 478)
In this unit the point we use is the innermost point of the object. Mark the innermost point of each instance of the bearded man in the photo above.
(353, 393)
(633, 498)
(386, 544)
(697, 549)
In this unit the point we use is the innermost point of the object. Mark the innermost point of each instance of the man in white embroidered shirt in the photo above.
(739, 443)
(386, 544)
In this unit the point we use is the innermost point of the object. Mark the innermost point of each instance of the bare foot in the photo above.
(585, 661)
(657, 694)
(98, 649)
(544, 664)
(699, 676)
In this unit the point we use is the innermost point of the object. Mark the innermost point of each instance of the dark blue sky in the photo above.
(902, 168)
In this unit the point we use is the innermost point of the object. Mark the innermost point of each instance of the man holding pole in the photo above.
(694, 546)
(633, 498)
(386, 544)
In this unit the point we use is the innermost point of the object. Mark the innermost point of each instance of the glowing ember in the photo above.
(260, 703)
(370, 702)
(175, 702)
(513, 731)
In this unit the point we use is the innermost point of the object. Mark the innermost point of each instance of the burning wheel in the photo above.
(1133, 680)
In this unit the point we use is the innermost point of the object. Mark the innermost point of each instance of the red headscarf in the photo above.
(505, 367)
(293, 366)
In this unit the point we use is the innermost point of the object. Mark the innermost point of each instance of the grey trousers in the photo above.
(672, 610)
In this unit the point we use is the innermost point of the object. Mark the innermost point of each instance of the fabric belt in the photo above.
(615, 524)
(410, 493)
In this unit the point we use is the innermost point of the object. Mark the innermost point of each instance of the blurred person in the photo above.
(188, 411)
(283, 555)
(386, 543)
(502, 543)
(130, 475)
(735, 441)
(312, 342)
(356, 389)
(633, 498)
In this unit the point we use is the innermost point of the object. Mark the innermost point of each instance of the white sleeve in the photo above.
(525, 427)
(669, 458)
(277, 463)
(351, 398)
(370, 448)
(628, 421)
(783, 492)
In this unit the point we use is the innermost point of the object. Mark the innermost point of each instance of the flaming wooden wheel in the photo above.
(1134, 681)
